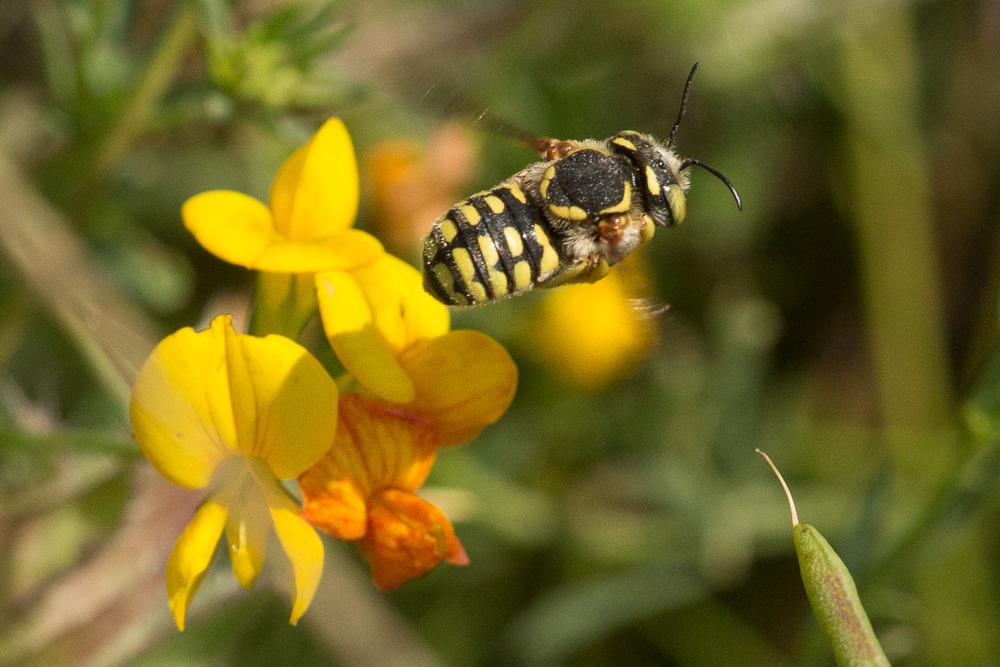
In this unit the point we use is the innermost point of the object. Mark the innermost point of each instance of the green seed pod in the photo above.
(832, 593)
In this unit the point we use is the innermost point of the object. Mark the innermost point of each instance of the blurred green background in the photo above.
(845, 322)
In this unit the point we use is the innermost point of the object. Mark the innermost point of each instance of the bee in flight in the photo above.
(565, 219)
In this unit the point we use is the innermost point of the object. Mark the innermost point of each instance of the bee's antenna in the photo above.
(691, 162)
(684, 104)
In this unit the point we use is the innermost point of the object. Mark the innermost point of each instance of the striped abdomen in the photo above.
(492, 245)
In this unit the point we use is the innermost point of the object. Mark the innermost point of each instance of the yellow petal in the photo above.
(240, 230)
(350, 327)
(191, 556)
(284, 401)
(464, 381)
(230, 225)
(316, 191)
(344, 250)
(249, 524)
(180, 408)
(402, 311)
(300, 543)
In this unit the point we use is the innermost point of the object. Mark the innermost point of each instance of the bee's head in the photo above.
(660, 178)
(661, 171)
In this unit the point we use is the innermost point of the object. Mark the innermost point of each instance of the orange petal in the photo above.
(464, 381)
(407, 537)
(333, 505)
(376, 446)
(316, 191)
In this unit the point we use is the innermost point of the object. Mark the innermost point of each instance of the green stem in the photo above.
(889, 197)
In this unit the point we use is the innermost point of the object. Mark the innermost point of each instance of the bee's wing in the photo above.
(450, 103)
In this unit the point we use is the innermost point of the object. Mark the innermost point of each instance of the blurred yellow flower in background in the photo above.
(236, 414)
(307, 225)
(593, 334)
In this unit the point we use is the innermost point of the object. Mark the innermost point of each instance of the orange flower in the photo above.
(364, 489)
(412, 184)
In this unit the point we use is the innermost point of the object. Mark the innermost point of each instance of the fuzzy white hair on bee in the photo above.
(566, 219)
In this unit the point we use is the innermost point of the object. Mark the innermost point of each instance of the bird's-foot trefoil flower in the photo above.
(422, 387)
(394, 339)
(235, 414)
(365, 489)
(306, 227)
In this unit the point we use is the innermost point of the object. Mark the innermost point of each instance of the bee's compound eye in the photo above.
(677, 202)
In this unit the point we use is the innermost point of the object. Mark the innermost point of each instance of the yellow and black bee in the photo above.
(568, 218)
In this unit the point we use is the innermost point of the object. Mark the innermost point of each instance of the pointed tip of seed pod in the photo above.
(781, 480)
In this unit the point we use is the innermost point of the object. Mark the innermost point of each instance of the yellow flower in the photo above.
(592, 334)
(235, 414)
(364, 489)
(393, 338)
(306, 228)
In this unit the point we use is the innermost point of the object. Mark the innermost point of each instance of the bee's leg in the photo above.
(589, 270)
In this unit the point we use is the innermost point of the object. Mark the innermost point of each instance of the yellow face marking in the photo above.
(648, 229)
(494, 202)
(490, 254)
(522, 275)
(678, 203)
(449, 230)
(622, 206)
(514, 243)
(547, 177)
(624, 143)
(652, 182)
(499, 282)
(574, 213)
(444, 277)
(463, 260)
(518, 193)
(470, 213)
